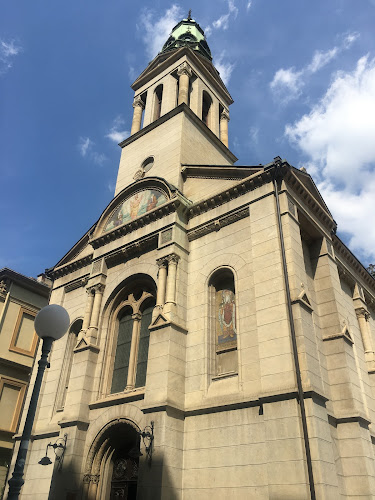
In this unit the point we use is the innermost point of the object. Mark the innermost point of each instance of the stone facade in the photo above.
(20, 300)
(259, 347)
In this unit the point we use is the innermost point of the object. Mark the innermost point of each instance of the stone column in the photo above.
(224, 119)
(184, 73)
(92, 332)
(162, 280)
(138, 106)
(363, 317)
(171, 282)
(133, 351)
(88, 311)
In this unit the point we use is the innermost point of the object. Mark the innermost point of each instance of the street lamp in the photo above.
(51, 323)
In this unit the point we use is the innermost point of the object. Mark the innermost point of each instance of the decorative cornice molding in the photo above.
(71, 267)
(131, 250)
(217, 223)
(163, 61)
(217, 172)
(343, 252)
(311, 202)
(194, 118)
(243, 187)
(73, 285)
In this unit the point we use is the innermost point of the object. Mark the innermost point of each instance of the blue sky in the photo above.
(301, 73)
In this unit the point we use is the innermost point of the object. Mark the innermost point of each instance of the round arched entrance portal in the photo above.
(112, 463)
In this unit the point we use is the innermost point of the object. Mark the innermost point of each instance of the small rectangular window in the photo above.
(11, 398)
(24, 339)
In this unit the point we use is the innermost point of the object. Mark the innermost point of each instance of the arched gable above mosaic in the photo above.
(136, 205)
(140, 198)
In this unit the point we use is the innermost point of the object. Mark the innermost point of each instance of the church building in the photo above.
(222, 336)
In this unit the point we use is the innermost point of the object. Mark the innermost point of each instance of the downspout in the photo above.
(277, 178)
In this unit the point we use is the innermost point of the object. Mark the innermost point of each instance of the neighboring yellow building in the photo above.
(20, 300)
(213, 309)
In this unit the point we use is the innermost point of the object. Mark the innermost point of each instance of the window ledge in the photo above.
(115, 399)
(224, 375)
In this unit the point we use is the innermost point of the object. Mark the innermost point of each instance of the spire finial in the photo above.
(189, 15)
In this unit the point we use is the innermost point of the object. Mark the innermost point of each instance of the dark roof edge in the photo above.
(30, 283)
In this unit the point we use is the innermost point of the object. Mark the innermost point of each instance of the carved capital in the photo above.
(224, 115)
(138, 102)
(161, 262)
(98, 288)
(90, 291)
(173, 259)
(137, 316)
(184, 69)
(361, 312)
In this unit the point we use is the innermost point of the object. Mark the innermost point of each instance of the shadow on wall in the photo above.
(124, 479)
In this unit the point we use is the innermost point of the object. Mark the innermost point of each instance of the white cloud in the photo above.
(349, 39)
(98, 158)
(321, 58)
(84, 145)
(337, 139)
(224, 67)
(223, 21)
(8, 50)
(156, 31)
(117, 133)
(254, 134)
(86, 149)
(287, 84)
(248, 5)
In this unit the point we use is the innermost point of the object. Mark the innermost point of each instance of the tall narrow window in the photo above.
(223, 321)
(124, 338)
(67, 365)
(133, 321)
(206, 108)
(158, 97)
(144, 339)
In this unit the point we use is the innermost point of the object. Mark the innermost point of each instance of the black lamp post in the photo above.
(51, 323)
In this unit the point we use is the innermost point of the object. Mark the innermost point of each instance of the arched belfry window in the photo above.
(223, 322)
(133, 318)
(206, 108)
(158, 97)
(67, 365)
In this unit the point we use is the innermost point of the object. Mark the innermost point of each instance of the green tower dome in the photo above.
(188, 33)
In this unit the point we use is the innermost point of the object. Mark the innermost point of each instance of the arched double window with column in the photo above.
(130, 347)
(223, 323)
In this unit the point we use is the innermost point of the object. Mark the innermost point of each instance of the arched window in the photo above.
(131, 355)
(223, 324)
(67, 365)
(158, 97)
(206, 108)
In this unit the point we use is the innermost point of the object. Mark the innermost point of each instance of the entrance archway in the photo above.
(112, 463)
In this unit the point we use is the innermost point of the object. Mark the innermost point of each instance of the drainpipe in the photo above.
(278, 174)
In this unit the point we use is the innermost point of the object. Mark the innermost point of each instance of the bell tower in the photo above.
(181, 112)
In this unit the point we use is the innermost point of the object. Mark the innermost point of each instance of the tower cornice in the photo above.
(163, 61)
(182, 108)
